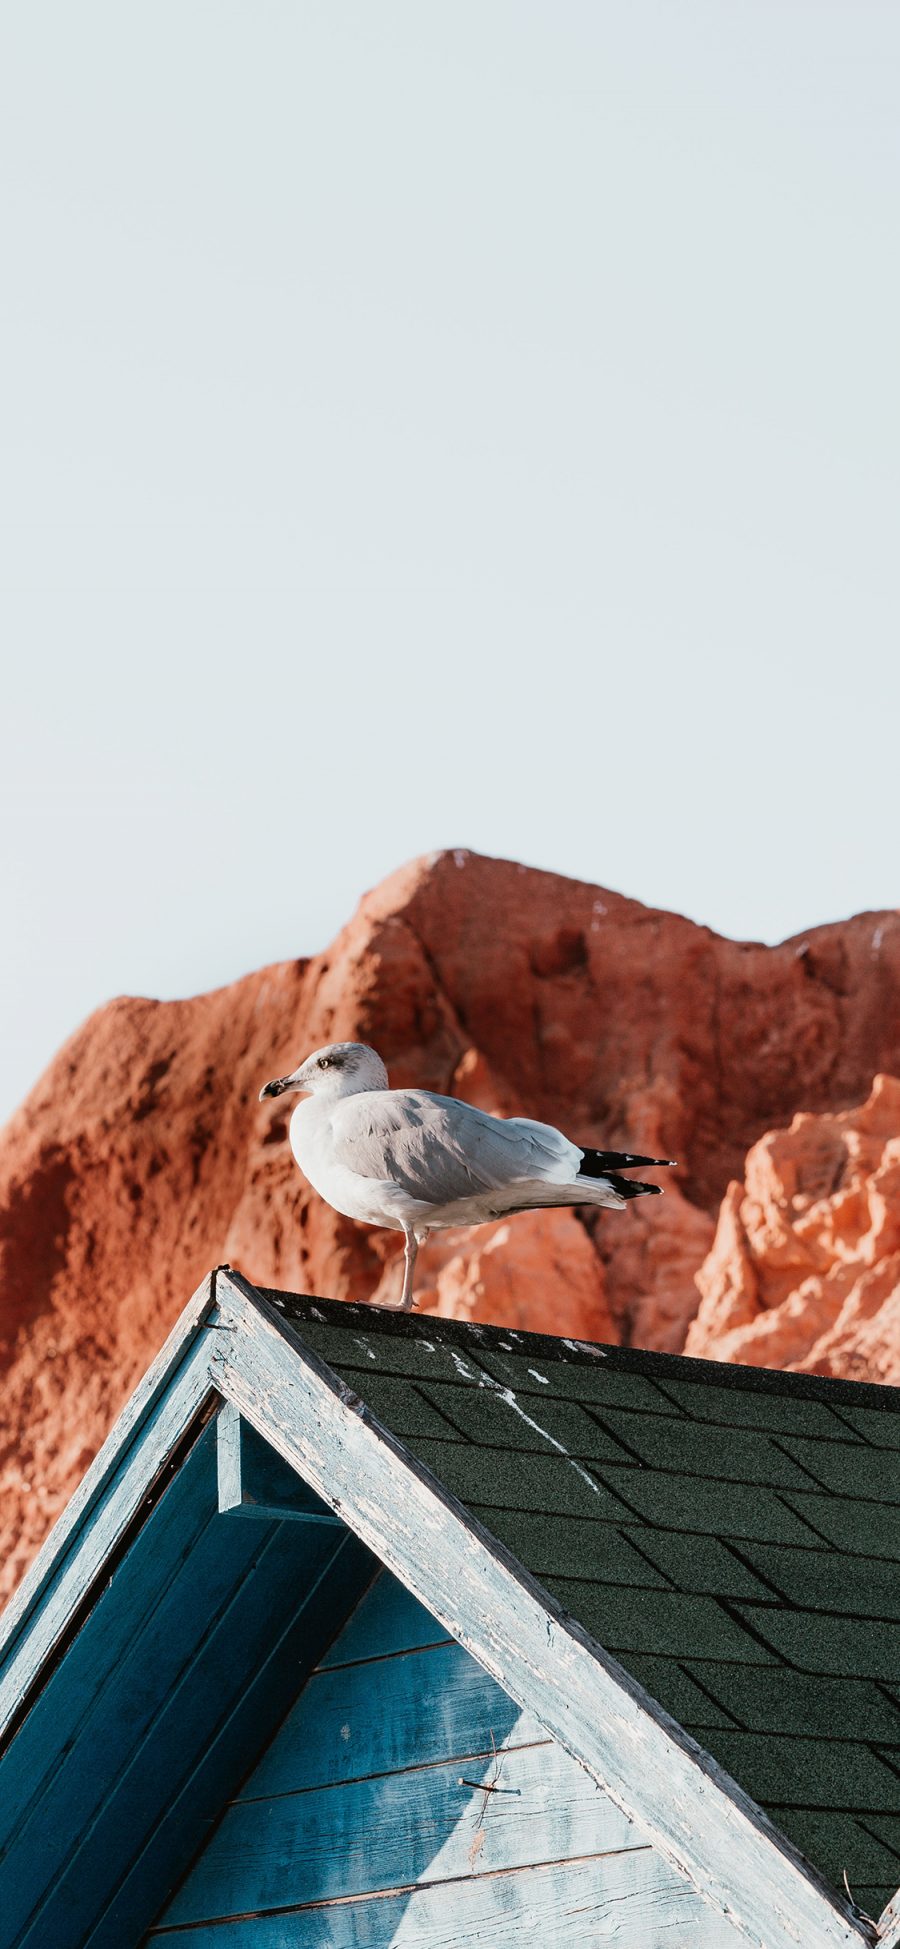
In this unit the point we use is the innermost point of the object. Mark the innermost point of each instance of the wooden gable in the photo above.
(189, 1604)
(406, 1800)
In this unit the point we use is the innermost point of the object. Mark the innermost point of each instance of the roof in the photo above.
(731, 1534)
(617, 1537)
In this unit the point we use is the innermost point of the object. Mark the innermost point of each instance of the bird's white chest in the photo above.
(314, 1146)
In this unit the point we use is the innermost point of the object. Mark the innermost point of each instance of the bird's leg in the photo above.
(409, 1262)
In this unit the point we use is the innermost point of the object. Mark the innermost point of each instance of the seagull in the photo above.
(413, 1162)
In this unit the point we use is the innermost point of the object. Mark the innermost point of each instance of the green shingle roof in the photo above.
(731, 1535)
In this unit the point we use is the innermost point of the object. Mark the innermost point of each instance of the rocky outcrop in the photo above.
(804, 1271)
(142, 1156)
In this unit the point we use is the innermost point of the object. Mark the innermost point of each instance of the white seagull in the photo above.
(414, 1162)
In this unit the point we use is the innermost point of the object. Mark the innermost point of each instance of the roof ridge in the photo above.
(474, 1335)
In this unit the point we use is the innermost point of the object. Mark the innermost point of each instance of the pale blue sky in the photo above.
(423, 425)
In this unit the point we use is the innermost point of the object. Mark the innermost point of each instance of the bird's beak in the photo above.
(277, 1088)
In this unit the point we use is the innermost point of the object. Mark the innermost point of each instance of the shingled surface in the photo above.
(731, 1535)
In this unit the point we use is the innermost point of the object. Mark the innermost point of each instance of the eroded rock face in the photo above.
(805, 1268)
(142, 1156)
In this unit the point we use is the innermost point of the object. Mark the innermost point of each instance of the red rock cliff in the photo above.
(805, 1267)
(142, 1156)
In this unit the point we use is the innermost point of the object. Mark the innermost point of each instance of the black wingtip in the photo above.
(632, 1187)
(599, 1163)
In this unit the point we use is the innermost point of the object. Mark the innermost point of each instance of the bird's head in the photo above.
(340, 1069)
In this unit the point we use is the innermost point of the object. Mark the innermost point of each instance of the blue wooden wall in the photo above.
(366, 1823)
(184, 1664)
(249, 1715)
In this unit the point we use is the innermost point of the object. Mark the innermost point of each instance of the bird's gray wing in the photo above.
(438, 1150)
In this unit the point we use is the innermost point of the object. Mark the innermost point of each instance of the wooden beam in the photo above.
(172, 1394)
(889, 1924)
(699, 1819)
(254, 1481)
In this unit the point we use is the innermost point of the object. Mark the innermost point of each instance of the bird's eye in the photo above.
(324, 1062)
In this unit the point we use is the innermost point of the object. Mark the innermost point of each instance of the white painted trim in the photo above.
(229, 1486)
(240, 1495)
(889, 1924)
(160, 1410)
(699, 1819)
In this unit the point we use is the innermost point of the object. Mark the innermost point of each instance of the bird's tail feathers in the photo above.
(610, 1190)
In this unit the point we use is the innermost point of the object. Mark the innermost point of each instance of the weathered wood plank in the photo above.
(388, 1619)
(190, 1715)
(700, 1820)
(254, 1481)
(889, 1924)
(125, 1696)
(414, 1709)
(106, 1505)
(276, 1662)
(228, 1457)
(43, 1576)
(634, 1900)
(425, 1825)
(152, 1565)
